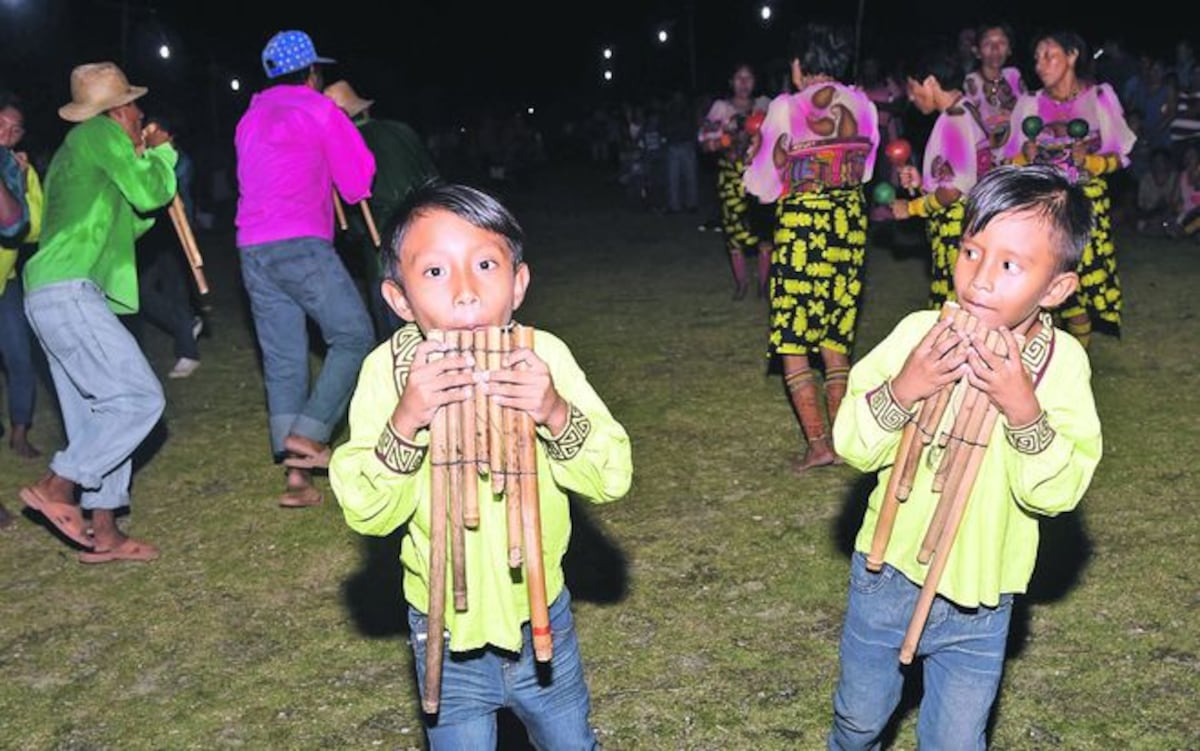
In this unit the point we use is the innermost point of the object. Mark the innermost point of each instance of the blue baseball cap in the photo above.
(289, 51)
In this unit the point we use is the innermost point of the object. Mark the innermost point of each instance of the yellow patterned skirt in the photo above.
(820, 247)
(944, 228)
(1099, 294)
(742, 217)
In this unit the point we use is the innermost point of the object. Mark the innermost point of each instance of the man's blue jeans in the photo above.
(476, 685)
(109, 397)
(962, 650)
(287, 282)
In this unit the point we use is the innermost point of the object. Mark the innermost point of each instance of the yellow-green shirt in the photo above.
(33, 230)
(382, 484)
(996, 546)
(95, 183)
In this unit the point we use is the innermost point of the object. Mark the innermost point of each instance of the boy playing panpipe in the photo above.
(453, 260)
(1024, 229)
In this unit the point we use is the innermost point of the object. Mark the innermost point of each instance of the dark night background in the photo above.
(434, 64)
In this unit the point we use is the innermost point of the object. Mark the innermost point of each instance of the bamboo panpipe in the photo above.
(468, 439)
(183, 228)
(369, 219)
(958, 487)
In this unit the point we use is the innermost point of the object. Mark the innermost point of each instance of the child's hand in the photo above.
(1003, 378)
(935, 362)
(432, 384)
(524, 383)
(900, 209)
(910, 177)
(1029, 150)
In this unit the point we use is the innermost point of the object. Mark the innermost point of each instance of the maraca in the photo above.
(1032, 126)
(884, 194)
(898, 151)
(1078, 128)
(754, 121)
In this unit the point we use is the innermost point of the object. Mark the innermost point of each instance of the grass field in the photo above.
(709, 601)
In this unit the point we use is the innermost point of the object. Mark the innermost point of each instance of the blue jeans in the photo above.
(477, 684)
(287, 282)
(16, 352)
(963, 658)
(682, 177)
(109, 397)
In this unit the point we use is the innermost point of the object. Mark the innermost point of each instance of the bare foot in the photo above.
(300, 493)
(305, 453)
(20, 445)
(818, 454)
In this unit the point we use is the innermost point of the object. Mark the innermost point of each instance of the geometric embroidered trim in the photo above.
(1033, 438)
(404, 344)
(398, 454)
(886, 410)
(567, 444)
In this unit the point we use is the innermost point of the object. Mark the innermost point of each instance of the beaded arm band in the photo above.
(1101, 164)
(886, 410)
(569, 442)
(1033, 438)
(398, 453)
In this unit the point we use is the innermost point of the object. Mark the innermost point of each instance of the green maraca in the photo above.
(1032, 126)
(1078, 128)
(884, 194)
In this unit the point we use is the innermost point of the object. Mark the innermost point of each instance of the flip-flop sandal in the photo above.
(129, 550)
(66, 517)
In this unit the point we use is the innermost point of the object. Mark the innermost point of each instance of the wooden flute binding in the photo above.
(468, 440)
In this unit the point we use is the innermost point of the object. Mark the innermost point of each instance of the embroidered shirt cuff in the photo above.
(886, 410)
(1033, 438)
(569, 441)
(398, 453)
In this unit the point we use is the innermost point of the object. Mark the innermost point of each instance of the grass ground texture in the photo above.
(709, 601)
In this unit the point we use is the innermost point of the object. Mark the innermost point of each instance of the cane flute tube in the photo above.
(495, 415)
(953, 440)
(531, 522)
(916, 624)
(512, 481)
(482, 433)
(187, 241)
(458, 558)
(339, 212)
(468, 476)
(438, 485)
(890, 504)
(369, 220)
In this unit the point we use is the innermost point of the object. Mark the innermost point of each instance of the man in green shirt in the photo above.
(82, 275)
(402, 164)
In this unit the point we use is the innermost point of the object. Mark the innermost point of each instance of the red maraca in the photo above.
(898, 151)
(754, 121)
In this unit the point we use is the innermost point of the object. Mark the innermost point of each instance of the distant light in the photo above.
(235, 85)
(529, 111)
(662, 36)
(164, 52)
(607, 53)
(1098, 53)
(765, 13)
(608, 75)
(462, 129)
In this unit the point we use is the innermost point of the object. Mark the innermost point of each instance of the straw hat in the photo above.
(344, 96)
(96, 88)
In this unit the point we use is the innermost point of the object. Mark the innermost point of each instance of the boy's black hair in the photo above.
(822, 49)
(472, 205)
(10, 99)
(938, 61)
(1039, 189)
(299, 77)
